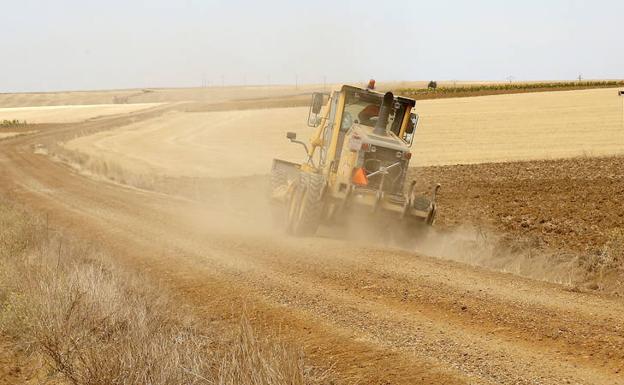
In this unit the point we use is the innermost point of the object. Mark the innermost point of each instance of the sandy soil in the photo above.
(68, 113)
(452, 131)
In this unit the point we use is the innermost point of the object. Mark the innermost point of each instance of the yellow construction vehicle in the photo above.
(356, 164)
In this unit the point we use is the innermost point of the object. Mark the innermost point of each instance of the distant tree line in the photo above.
(12, 123)
(433, 87)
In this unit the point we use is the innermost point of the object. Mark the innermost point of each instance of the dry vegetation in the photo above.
(83, 321)
(12, 123)
(463, 90)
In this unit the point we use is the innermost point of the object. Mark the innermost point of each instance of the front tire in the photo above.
(306, 206)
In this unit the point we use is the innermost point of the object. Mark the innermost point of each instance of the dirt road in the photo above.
(379, 315)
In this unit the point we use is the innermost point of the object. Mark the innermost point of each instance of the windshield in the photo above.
(364, 109)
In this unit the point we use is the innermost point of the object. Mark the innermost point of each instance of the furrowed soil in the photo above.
(568, 204)
(377, 313)
(558, 212)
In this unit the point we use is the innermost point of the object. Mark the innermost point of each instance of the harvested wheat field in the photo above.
(158, 95)
(210, 94)
(520, 127)
(547, 125)
(200, 143)
(158, 223)
(68, 113)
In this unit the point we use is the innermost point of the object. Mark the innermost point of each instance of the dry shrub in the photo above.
(93, 324)
(604, 268)
(612, 255)
(18, 231)
(253, 361)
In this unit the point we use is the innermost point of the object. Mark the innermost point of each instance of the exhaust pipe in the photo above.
(384, 113)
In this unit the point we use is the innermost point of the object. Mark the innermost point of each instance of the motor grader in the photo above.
(356, 164)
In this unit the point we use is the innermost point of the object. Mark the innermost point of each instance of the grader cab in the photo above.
(356, 164)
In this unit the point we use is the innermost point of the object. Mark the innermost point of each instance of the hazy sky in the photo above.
(82, 44)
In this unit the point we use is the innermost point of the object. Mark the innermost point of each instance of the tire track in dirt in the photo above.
(512, 331)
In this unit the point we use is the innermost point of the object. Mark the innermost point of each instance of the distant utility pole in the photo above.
(510, 78)
(580, 78)
(621, 95)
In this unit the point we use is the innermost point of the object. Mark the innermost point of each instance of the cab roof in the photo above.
(352, 89)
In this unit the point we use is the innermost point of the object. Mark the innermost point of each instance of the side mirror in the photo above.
(411, 128)
(317, 102)
(413, 123)
(315, 108)
(293, 138)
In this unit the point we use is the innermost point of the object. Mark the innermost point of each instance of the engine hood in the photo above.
(390, 140)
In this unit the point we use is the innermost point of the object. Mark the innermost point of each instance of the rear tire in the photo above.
(278, 181)
(293, 207)
(306, 206)
(415, 230)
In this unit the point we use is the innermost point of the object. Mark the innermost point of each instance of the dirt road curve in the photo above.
(378, 315)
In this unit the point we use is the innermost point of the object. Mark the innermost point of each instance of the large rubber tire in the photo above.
(279, 178)
(293, 206)
(306, 205)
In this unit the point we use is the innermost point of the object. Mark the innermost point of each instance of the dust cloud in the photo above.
(480, 247)
(240, 206)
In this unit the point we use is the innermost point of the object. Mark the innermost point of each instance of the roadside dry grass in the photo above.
(83, 321)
